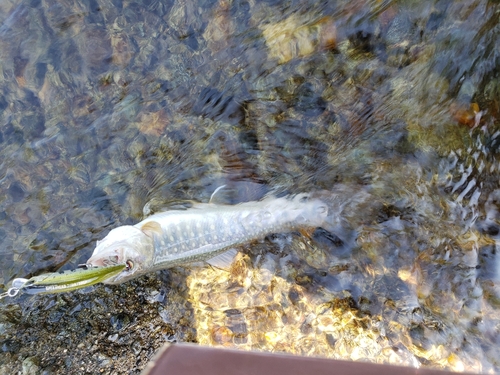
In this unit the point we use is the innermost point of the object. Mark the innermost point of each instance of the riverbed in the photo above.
(111, 110)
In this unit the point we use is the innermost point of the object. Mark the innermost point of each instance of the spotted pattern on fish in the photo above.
(207, 228)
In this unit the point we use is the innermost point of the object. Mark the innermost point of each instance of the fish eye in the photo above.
(129, 264)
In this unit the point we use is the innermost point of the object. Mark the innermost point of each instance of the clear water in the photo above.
(110, 106)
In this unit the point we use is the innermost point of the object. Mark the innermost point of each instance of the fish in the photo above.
(204, 232)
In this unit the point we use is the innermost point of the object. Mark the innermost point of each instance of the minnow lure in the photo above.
(58, 282)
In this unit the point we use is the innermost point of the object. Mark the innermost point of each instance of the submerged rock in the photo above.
(297, 36)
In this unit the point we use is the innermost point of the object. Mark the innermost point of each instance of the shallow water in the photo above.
(110, 110)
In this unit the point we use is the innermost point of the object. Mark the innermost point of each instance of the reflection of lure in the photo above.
(58, 282)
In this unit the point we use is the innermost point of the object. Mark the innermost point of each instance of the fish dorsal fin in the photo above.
(213, 197)
(153, 207)
(224, 260)
(151, 228)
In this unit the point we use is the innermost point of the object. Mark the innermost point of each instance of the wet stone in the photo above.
(33, 125)
(399, 30)
(221, 335)
(165, 315)
(103, 360)
(363, 39)
(113, 337)
(120, 321)
(308, 102)
(155, 296)
(55, 316)
(10, 346)
(30, 366)
(136, 347)
(75, 309)
(3, 104)
(16, 191)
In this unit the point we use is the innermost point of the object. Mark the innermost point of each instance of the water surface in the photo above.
(110, 110)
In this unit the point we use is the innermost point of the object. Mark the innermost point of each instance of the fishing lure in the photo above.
(58, 282)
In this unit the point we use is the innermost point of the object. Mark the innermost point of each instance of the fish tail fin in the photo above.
(344, 235)
(327, 212)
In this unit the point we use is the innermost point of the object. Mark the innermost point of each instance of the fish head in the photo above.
(126, 245)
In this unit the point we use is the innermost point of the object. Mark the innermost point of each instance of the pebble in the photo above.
(113, 338)
(30, 366)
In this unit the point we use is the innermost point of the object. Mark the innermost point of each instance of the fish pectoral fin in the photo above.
(151, 228)
(224, 260)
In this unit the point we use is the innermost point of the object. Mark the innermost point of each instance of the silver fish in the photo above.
(205, 231)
